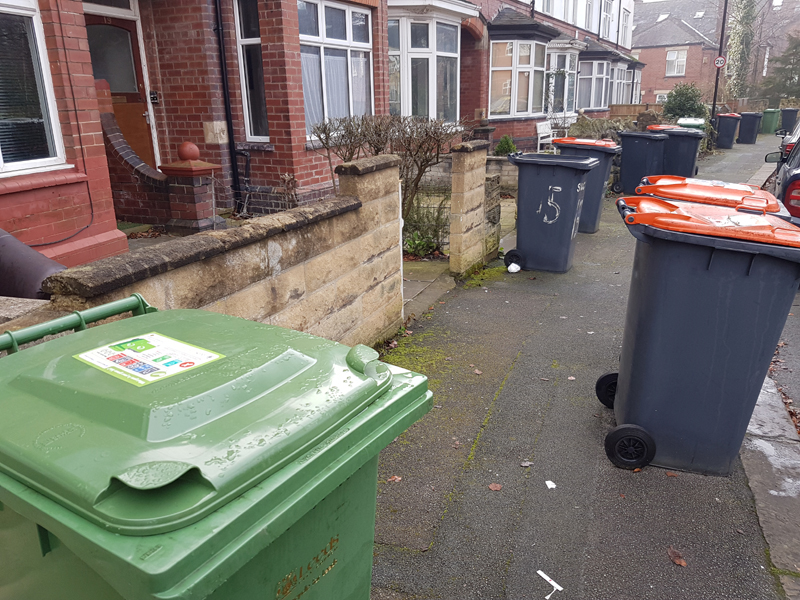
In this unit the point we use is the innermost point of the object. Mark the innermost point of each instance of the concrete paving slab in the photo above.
(770, 419)
(424, 270)
(740, 163)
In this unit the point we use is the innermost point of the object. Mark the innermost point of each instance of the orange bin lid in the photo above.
(706, 219)
(605, 143)
(663, 127)
(718, 193)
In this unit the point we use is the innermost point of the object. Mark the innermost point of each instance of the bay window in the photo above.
(593, 84)
(424, 68)
(30, 136)
(336, 61)
(251, 70)
(516, 86)
(562, 79)
(618, 81)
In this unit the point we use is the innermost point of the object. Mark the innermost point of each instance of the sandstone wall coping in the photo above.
(471, 146)
(368, 165)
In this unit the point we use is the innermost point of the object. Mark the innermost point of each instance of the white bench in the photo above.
(544, 134)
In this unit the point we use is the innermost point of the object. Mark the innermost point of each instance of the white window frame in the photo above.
(321, 41)
(552, 61)
(594, 80)
(589, 16)
(240, 44)
(515, 69)
(406, 53)
(30, 9)
(547, 7)
(677, 62)
(618, 80)
(626, 33)
(109, 11)
(605, 19)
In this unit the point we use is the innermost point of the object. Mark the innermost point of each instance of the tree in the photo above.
(785, 79)
(740, 45)
(685, 100)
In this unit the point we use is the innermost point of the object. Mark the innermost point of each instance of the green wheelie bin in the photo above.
(769, 123)
(185, 454)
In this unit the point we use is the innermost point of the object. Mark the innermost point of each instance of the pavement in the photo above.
(512, 360)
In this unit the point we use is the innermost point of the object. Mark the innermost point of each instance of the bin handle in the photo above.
(624, 209)
(76, 321)
(753, 204)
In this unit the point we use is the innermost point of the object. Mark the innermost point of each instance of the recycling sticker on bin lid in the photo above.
(147, 358)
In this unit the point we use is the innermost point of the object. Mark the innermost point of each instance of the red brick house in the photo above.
(120, 84)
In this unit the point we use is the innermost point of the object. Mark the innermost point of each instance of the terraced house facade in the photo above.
(113, 87)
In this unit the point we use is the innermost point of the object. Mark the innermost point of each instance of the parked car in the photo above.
(789, 140)
(787, 180)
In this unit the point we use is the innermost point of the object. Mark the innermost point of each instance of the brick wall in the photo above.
(73, 203)
(700, 70)
(333, 269)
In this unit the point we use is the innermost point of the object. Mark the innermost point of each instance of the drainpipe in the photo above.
(226, 94)
(619, 24)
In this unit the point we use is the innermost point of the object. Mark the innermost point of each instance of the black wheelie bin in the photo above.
(596, 181)
(749, 128)
(727, 124)
(710, 293)
(680, 152)
(642, 154)
(551, 192)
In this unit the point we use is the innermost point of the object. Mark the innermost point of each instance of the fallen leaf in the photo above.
(637, 470)
(393, 344)
(622, 496)
(531, 277)
(596, 416)
(739, 531)
(430, 308)
(441, 302)
(676, 557)
(571, 378)
(394, 479)
(471, 365)
(671, 474)
(477, 372)
(456, 444)
(544, 378)
(495, 487)
(525, 463)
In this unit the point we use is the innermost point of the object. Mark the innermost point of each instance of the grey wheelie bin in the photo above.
(680, 151)
(549, 200)
(710, 293)
(788, 118)
(642, 154)
(749, 128)
(727, 124)
(186, 454)
(596, 181)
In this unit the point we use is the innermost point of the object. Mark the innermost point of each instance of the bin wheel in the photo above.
(616, 187)
(513, 256)
(606, 389)
(630, 447)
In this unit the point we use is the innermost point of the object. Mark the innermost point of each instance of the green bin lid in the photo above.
(147, 424)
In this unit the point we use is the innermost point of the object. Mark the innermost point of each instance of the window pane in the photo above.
(256, 99)
(360, 27)
(336, 93)
(112, 57)
(419, 35)
(573, 62)
(362, 95)
(601, 69)
(537, 98)
(312, 85)
(561, 62)
(25, 132)
(335, 23)
(597, 99)
(309, 21)
(523, 91)
(585, 92)
(570, 106)
(248, 18)
(446, 38)
(538, 59)
(126, 4)
(672, 55)
(524, 54)
(419, 87)
(558, 91)
(500, 102)
(394, 35)
(502, 54)
(447, 88)
(586, 69)
(394, 85)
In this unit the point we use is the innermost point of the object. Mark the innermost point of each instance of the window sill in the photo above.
(531, 117)
(12, 183)
(594, 110)
(313, 145)
(674, 76)
(256, 146)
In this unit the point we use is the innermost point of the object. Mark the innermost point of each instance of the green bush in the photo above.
(505, 146)
(427, 223)
(685, 100)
